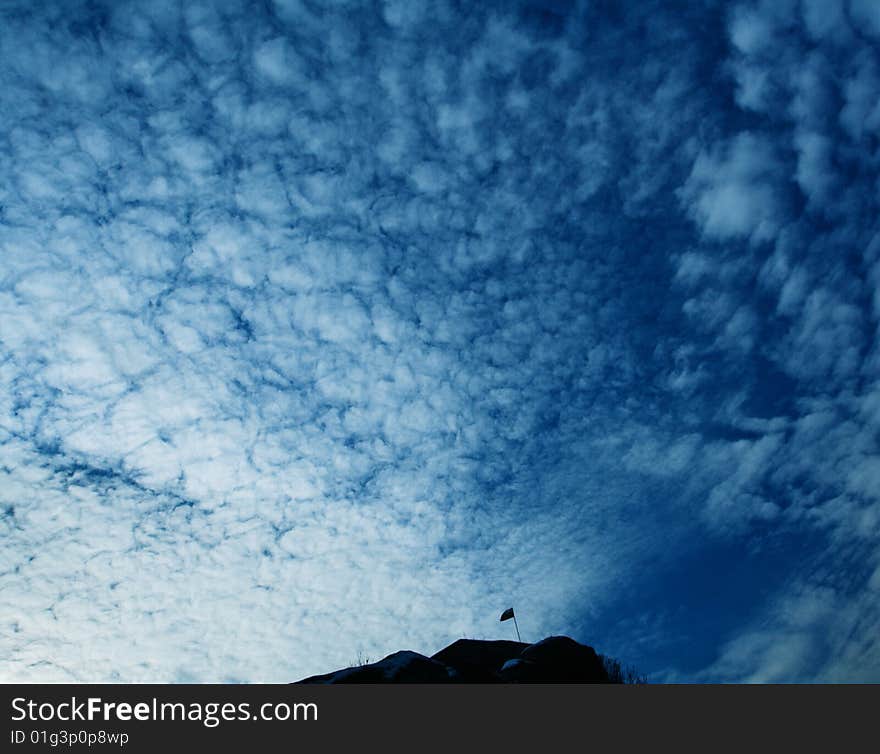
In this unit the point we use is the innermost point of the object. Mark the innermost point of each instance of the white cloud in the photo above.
(731, 191)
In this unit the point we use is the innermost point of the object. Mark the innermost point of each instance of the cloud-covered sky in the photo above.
(335, 328)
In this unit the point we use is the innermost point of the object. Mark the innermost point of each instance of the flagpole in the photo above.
(519, 638)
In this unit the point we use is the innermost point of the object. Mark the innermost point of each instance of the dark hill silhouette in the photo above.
(400, 667)
(477, 661)
(556, 659)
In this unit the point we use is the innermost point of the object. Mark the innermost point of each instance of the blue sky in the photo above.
(335, 328)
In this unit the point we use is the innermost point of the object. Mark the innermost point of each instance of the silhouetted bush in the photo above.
(361, 660)
(618, 673)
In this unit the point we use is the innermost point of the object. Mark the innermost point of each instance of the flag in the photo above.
(507, 614)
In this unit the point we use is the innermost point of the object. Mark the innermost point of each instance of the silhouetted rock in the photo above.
(557, 659)
(560, 659)
(520, 671)
(478, 661)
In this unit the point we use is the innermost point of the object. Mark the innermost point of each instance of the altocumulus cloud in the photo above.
(336, 327)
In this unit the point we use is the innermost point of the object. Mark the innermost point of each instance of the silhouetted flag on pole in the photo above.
(507, 615)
